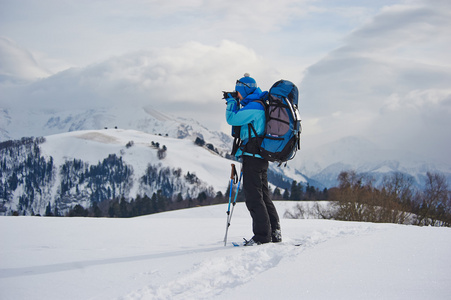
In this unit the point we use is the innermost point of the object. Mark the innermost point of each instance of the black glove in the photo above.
(227, 95)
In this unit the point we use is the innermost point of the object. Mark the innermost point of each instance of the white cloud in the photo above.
(389, 82)
(418, 100)
(78, 33)
(418, 32)
(17, 63)
(187, 81)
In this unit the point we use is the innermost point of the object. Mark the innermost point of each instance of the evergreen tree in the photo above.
(154, 203)
(123, 212)
(147, 205)
(55, 211)
(286, 195)
(311, 191)
(161, 201)
(96, 210)
(296, 191)
(179, 197)
(78, 211)
(48, 211)
(201, 197)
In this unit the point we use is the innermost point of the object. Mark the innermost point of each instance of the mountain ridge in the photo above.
(324, 163)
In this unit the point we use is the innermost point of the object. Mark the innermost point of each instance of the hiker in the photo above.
(241, 112)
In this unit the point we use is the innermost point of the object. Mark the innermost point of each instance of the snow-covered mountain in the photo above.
(17, 124)
(323, 164)
(85, 167)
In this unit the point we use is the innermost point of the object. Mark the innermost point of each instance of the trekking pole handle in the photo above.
(234, 174)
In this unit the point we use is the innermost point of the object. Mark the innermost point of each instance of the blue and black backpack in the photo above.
(281, 139)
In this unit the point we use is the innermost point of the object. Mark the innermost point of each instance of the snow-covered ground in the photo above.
(181, 255)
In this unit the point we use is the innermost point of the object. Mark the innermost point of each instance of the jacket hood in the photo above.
(251, 97)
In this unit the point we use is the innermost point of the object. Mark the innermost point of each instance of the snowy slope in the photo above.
(93, 146)
(180, 255)
(133, 149)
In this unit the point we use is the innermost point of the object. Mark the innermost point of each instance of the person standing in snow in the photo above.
(240, 112)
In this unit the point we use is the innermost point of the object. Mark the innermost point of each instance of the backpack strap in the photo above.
(253, 144)
(236, 131)
(273, 105)
(251, 127)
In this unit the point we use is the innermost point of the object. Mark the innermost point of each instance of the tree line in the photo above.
(396, 200)
(160, 202)
(143, 205)
(300, 191)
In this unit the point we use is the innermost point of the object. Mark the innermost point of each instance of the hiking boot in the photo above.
(276, 236)
(251, 242)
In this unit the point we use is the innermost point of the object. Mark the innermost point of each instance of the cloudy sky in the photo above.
(378, 69)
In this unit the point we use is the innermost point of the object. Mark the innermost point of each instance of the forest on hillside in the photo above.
(103, 190)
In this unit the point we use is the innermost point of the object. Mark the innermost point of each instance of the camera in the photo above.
(226, 94)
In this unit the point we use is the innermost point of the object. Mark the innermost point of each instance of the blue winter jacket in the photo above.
(249, 111)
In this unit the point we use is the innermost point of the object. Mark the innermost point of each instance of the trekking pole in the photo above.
(234, 200)
(233, 175)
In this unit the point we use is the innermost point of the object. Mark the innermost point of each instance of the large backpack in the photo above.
(281, 139)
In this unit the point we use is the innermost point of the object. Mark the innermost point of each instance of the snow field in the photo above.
(180, 255)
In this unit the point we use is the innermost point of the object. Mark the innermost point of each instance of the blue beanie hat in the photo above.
(246, 85)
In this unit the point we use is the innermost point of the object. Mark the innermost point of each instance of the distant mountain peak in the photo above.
(156, 114)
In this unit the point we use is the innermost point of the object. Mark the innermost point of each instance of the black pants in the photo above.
(258, 199)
